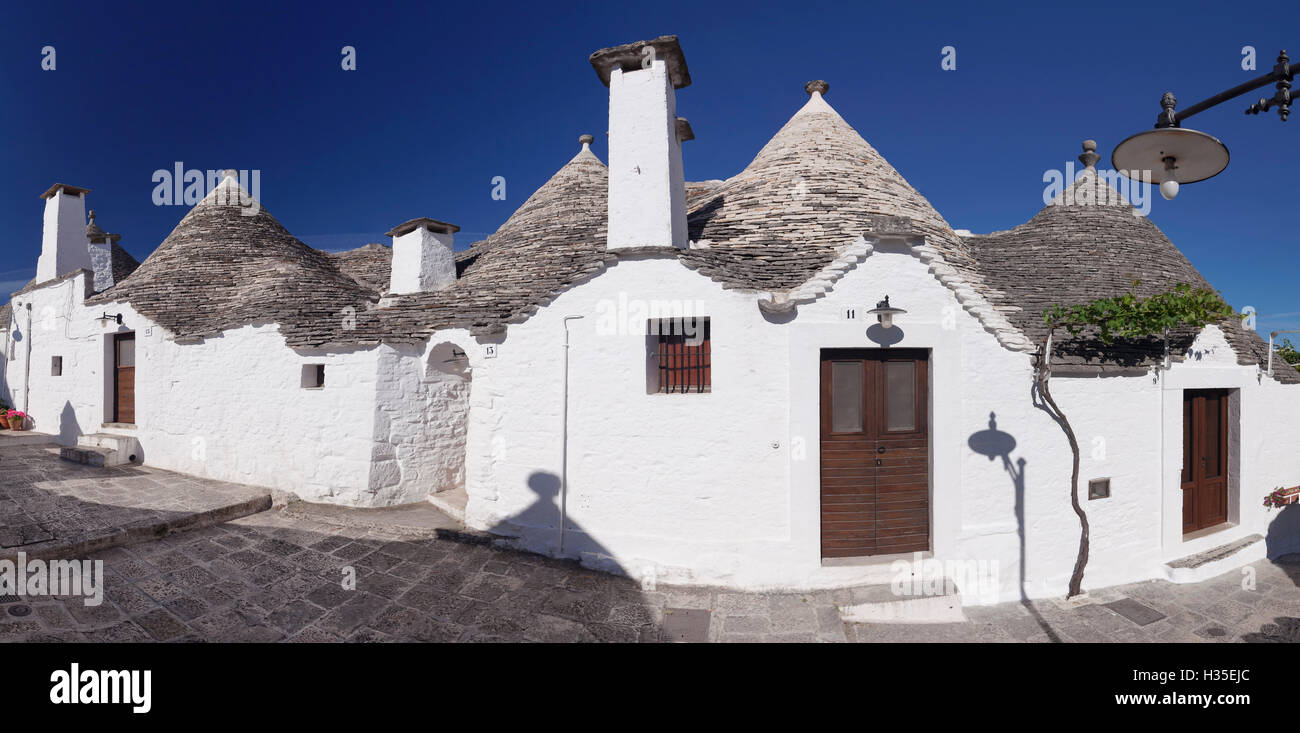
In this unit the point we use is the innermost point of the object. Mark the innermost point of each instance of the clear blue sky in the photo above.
(445, 97)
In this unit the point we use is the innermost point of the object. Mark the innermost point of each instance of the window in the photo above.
(680, 361)
(313, 376)
(56, 366)
(1099, 488)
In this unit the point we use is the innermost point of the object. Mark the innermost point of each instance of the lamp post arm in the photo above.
(1222, 97)
(1282, 74)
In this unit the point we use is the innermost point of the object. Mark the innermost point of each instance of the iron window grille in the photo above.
(683, 354)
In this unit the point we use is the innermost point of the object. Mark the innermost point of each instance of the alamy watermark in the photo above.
(923, 576)
(1113, 188)
(27, 578)
(187, 187)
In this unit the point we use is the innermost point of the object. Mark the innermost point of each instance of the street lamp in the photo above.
(1171, 154)
(885, 313)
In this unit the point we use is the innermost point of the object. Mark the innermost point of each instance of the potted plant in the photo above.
(16, 418)
(1280, 497)
(4, 415)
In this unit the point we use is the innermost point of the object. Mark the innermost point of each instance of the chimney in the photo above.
(63, 240)
(422, 256)
(101, 254)
(647, 190)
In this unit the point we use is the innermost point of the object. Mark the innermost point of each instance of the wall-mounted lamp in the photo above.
(104, 319)
(885, 313)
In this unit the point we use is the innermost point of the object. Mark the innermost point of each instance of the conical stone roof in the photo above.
(555, 240)
(1091, 243)
(229, 263)
(814, 188)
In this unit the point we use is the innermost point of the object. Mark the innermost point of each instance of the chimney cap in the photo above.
(817, 85)
(65, 188)
(628, 57)
(684, 131)
(586, 139)
(433, 225)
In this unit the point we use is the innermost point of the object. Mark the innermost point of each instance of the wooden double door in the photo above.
(874, 452)
(1205, 458)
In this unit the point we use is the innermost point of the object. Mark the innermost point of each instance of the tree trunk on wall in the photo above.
(1044, 377)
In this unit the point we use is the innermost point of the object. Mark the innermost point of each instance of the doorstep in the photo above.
(1217, 560)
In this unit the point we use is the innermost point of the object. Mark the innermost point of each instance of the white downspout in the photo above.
(27, 366)
(564, 439)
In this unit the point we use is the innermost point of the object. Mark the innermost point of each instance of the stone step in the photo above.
(452, 503)
(884, 604)
(1216, 560)
(127, 446)
(90, 455)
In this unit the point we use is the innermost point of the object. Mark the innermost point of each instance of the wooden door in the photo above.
(875, 452)
(1205, 458)
(124, 378)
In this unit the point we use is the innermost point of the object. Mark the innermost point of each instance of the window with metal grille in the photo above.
(682, 354)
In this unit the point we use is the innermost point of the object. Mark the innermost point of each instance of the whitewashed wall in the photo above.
(708, 488)
(723, 488)
(421, 416)
(229, 408)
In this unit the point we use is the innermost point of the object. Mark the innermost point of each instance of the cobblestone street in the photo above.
(271, 577)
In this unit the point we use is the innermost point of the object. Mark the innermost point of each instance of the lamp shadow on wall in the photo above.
(543, 515)
(885, 337)
(995, 444)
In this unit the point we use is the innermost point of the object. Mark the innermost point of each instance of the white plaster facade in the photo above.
(718, 488)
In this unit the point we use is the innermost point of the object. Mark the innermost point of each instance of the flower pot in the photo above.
(4, 421)
(15, 423)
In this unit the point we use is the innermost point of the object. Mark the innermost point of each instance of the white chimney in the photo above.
(64, 247)
(647, 190)
(423, 259)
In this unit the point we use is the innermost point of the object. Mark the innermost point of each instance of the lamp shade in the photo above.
(1197, 156)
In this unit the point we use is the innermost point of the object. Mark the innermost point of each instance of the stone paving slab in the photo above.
(54, 508)
(276, 577)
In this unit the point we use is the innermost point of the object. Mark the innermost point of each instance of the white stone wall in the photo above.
(720, 487)
(421, 417)
(229, 408)
(723, 487)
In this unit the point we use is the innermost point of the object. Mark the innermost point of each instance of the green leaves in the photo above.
(1130, 316)
(1288, 353)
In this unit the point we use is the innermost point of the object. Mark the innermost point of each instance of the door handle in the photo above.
(880, 449)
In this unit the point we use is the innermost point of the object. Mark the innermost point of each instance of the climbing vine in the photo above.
(1125, 316)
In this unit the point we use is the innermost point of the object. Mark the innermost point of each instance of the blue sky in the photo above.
(445, 97)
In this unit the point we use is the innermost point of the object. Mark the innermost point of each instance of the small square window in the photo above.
(56, 366)
(1099, 488)
(313, 376)
(680, 355)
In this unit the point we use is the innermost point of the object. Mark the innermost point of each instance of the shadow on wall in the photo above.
(885, 337)
(995, 444)
(1283, 534)
(69, 428)
(538, 527)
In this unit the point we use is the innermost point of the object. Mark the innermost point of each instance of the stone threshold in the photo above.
(133, 533)
(421, 520)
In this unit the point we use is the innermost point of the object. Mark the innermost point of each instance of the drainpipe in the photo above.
(27, 366)
(1272, 336)
(564, 439)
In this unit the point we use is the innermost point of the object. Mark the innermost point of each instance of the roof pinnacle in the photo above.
(1089, 157)
(817, 85)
